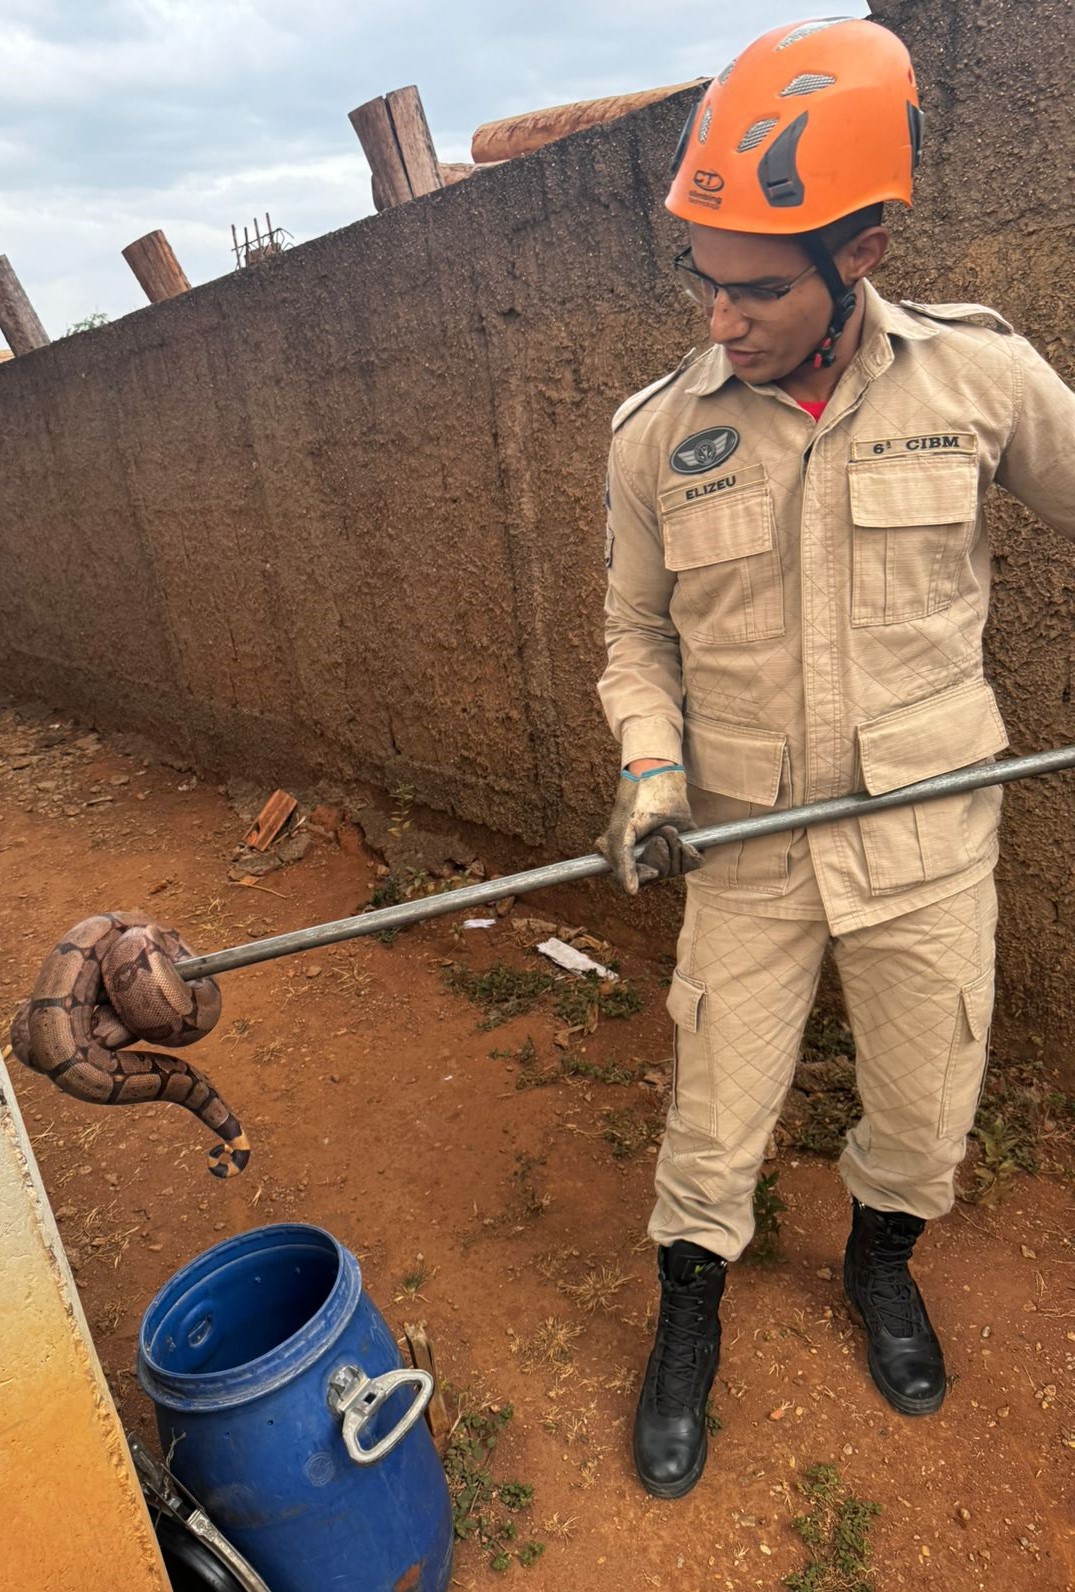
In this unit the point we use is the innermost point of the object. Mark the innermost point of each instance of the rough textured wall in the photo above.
(994, 222)
(341, 515)
(343, 512)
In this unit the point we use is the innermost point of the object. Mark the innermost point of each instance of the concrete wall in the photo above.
(73, 1510)
(341, 515)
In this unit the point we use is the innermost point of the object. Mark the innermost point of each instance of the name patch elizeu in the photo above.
(705, 450)
(730, 483)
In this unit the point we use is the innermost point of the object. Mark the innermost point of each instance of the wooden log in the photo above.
(415, 140)
(455, 171)
(376, 134)
(521, 135)
(154, 264)
(22, 330)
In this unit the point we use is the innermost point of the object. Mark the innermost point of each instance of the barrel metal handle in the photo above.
(357, 1397)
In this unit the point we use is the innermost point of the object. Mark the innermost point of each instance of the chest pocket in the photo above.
(914, 523)
(723, 550)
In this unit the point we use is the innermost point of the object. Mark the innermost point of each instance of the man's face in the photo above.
(764, 341)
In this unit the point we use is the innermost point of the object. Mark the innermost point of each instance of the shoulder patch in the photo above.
(636, 401)
(965, 314)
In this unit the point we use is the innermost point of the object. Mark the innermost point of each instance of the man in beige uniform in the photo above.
(798, 582)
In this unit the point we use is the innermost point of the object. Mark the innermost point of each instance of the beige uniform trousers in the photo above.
(919, 995)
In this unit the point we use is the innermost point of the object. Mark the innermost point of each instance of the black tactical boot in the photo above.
(670, 1435)
(903, 1352)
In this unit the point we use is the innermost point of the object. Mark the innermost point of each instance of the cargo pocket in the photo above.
(914, 523)
(693, 1098)
(964, 1076)
(735, 772)
(729, 586)
(923, 841)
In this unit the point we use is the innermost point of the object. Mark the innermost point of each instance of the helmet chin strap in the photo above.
(843, 301)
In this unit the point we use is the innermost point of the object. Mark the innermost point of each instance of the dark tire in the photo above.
(191, 1565)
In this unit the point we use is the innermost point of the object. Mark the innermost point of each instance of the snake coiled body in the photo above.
(111, 981)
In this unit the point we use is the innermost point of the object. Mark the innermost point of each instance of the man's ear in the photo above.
(862, 254)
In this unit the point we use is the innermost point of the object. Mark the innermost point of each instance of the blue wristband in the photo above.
(666, 768)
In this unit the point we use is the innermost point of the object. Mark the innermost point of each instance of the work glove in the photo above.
(651, 804)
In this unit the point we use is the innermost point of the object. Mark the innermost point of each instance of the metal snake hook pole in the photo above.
(476, 895)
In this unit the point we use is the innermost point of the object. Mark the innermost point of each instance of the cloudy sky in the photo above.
(119, 116)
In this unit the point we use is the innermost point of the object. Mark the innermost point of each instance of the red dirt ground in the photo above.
(376, 1110)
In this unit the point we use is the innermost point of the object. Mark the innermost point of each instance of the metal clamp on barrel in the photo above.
(357, 1397)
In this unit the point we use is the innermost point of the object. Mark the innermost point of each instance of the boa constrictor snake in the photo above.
(110, 981)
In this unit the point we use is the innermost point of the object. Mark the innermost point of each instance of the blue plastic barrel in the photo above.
(282, 1401)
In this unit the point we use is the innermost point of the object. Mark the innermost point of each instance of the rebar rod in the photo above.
(587, 867)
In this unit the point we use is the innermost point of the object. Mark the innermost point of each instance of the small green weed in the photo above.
(588, 997)
(1002, 1152)
(832, 1106)
(89, 323)
(713, 1422)
(503, 992)
(389, 893)
(629, 1132)
(574, 1066)
(836, 1529)
(827, 1036)
(568, 1065)
(402, 802)
(481, 1508)
(526, 1055)
(413, 1280)
(825, 1102)
(765, 1247)
(1007, 1129)
(531, 1199)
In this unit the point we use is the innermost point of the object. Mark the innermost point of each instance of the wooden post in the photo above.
(414, 139)
(377, 136)
(395, 137)
(22, 330)
(156, 267)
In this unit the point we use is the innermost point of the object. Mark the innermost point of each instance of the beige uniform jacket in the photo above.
(795, 610)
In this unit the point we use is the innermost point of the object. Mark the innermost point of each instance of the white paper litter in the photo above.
(574, 961)
(479, 923)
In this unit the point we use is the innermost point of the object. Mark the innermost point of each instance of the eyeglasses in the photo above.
(750, 297)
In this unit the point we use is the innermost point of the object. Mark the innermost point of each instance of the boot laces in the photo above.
(687, 1328)
(892, 1289)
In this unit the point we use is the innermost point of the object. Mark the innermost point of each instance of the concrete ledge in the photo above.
(74, 1516)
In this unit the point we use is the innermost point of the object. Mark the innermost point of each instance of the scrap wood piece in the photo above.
(423, 1359)
(271, 821)
(521, 135)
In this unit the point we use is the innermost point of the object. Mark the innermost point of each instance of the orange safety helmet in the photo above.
(811, 122)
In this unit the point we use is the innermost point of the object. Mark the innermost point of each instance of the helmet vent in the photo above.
(755, 135)
(807, 83)
(727, 72)
(807, 28)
